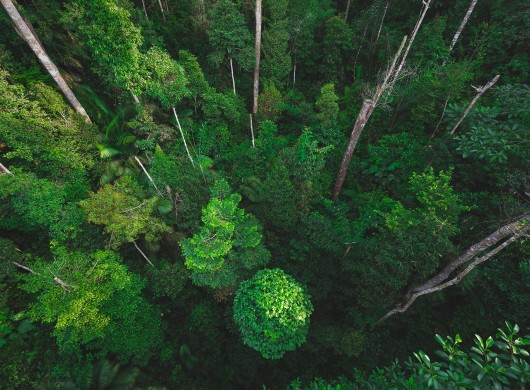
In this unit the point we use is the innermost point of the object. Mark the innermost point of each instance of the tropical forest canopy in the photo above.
(225, 194)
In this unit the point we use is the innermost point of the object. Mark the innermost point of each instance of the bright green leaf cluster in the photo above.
(272, 311)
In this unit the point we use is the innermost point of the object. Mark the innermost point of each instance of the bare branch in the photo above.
(25, 268)
(439, 282)
(143, 254)
(182, 135)
(147, 174)
(463, 24)
(4, 170)
(480, 91)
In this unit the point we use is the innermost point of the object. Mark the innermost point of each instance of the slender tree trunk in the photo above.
(145, 9)
(480, 91)
(294, 72)
(365, 113)
(143, 254)
(347, 11)
(258, 57)
(135, 98)
(426, 5)
(147, 174)
(509, 233)
(232, 73)
(183, 138)
(381, 25)
(463, 24)
(43, 57)
(252, 130)
(162, 9)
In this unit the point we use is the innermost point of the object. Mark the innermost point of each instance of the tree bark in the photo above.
(147, 174)
(509, 233)
(232, 73)
(426, 5)
(381, 25)
(258, 57)
(463, 24)
(162, 9)
(362, 118)
(43, 57)
(4, 170)
(365, 113)
(480, 91)
(347, 11)
(251, 130)
(145, 9)
(143, 254)
(183, 138)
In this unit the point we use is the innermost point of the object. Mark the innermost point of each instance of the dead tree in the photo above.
(258, 57)
(463, 24)
(365, 113)
(488, 247)
(182, 135)
(25, 33)
(384, 88)
(480, 91)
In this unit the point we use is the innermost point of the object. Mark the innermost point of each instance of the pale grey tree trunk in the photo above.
(232, 73)
(381, 25)
(347, 11)
(252, 130)
(463, 24)
(26, 34)
(426, 4)
(182, 135)
(499, 239)
(145, 9)
(4, 170)
(258, 57)
(480, 91)
(364, 114)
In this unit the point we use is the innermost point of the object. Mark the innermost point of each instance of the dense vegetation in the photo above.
(191, 203)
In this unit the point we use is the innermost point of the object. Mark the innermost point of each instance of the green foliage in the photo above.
(40, 132)
(327, 106)
(107, 30)
(500, 363)
(93, 302)
(269, 101)
(164, 78)
(228, 35)
(228, 245)
(125, 213)
(272, 311)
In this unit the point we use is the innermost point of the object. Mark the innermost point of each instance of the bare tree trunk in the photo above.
(365, 113)
(143, 254)
(252, 130)
(426, 4)
(258, 57)
(463, 24)
(162, 9)
(294, 72)
(509, 233)
(145, 9)
(43, 57)
(183, 138)
(4, 170)
(480, 91)
(25, 268)
(147, 174)
(362, 118)
(381, 25)
(232, 73)
(347, 11)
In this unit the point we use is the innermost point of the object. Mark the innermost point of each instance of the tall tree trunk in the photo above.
(258, 57)
(426, 4)
(365, 113)
(182, 135)
(381, 25)
(509, 233)
(252, 130)
(145, 9)
(480, 91)
(463, 24)
(36, 47)
(232, 73)
(347, 11)
(362, 118)
(162, 9)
